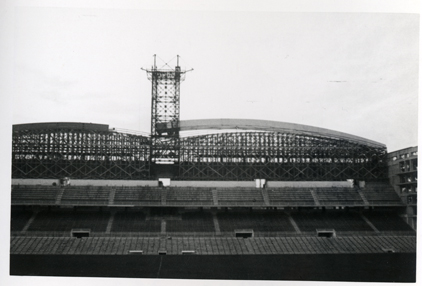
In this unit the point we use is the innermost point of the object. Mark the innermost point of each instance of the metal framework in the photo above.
(278, 156)
(272, 150)
(165, 110)
(78, 150)
(87, 151)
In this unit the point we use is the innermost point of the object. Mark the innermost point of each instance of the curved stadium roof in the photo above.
(219, 124)
(272, 126)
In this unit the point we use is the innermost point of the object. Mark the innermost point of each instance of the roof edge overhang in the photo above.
(61, 125)
(272, 126)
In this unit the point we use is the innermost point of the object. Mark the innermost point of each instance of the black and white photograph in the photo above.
(210, 143)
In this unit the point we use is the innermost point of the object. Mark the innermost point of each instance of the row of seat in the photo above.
(340, 221)
(333, 195)
(386, 221)
(265, 222)
(290, 195)
(202, 196)
(384, 195)
(378, 191)
(189, 195)
(79, 195)
(131, 221)
(137, 195)
(33, 195)
(240, 195)
(191, 222)
(211, 245)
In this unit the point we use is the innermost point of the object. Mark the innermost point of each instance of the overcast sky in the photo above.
(350, 72)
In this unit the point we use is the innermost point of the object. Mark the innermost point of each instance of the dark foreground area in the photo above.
(384, 267)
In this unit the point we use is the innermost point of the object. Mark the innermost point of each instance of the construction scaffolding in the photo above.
(165, 110)
(278, 156)
(63, 151)
(78, 150)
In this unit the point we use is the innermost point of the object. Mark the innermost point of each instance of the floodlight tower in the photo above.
(165, 112)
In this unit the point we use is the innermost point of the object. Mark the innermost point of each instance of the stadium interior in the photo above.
(240, 187)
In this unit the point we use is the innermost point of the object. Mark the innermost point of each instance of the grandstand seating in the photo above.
(34, 195)
(19, 218)
(258, 221)
(386, 220)
(134, 221)
(85, 196)
(291, 196)
(66, 220)
(373, 194)
(338, 196)
(240, 196)
(189, 196)
(339, 220)
(211, 245)
(381, 194)
(171, 221)
(192, 222)
(137, 196)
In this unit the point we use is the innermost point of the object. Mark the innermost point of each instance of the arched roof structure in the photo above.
(246, 149)
(274, 126)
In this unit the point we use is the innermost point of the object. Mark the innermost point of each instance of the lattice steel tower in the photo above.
(165, 113)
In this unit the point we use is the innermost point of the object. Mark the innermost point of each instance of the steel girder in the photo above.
(81, 154)
(278, 156)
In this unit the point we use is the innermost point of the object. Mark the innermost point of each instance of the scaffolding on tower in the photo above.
(165, 114)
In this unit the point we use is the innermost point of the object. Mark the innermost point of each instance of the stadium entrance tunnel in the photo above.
(244, 233)
(326, 233)
(136, 252)
(389, 250)
(79, 233)
(188, 252)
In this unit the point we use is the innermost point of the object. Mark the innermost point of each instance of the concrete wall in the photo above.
(74, 182)
(307, 184)
(212, 184)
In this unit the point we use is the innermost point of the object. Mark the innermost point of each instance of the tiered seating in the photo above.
(381, 194)
(265, 221)
(189, 196)
(34, 195)
(338, 220)
(192, 222)
(134, 222)
(211, 245)
(338, 196)
(387, 221)
(240, 196)
(291, 197)
(65, 220)
(85, 196)
(19, 219)
(137, 196)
